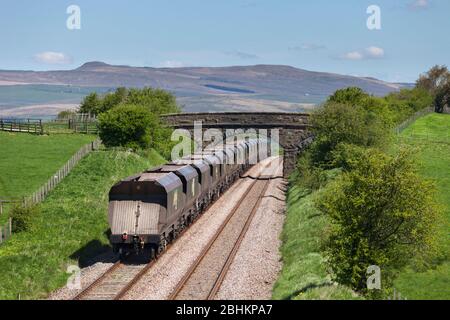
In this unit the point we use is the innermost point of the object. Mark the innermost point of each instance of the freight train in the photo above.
(149, 210)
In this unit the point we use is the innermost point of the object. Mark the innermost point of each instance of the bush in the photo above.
(156, 101)
(383, 214)
(128, 126)
(334, 124)
(22, 217)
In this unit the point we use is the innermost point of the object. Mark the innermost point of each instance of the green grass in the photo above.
(28, 161)
(304, 275)
(71, 227)
(431, 136)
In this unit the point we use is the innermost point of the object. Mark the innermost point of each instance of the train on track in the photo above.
(149, 210)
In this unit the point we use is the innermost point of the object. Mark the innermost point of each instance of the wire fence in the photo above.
(44, 190)
(399, 129)
(6, 231)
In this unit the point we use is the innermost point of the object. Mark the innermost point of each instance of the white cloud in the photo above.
(308, 47)
(354, 55)
(420, 4)
(368, 53)
(50, 57)
(172, 64)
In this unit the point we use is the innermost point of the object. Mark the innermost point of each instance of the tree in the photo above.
(382, 213)
(434, 79)
(336, 123)
(128, 126)
(65, 114)
(442, 98)
(91, 104)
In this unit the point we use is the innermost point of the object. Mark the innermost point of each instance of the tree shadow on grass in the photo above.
(94, 252)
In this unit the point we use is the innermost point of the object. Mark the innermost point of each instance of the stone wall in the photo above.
(294, 128)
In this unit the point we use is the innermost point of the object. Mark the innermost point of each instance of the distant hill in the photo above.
(238, 88)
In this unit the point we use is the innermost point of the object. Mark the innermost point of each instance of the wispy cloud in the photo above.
(171, 64)
(420, 4)
(368, 53)
(50, 57)
(242, 55)
(308, 47)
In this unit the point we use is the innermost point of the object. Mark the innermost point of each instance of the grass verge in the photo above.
(430, 135)
(70, 228)
(304, 275)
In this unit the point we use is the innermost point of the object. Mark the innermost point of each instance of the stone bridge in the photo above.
(294, 135)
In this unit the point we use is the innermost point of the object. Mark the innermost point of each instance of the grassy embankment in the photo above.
(70, 228)
(28, 161)
(304, 275)
(431, 136)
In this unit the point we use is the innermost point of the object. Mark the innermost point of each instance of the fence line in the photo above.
(22, 125)
(413, 118)
(45, 189)
(6, 231)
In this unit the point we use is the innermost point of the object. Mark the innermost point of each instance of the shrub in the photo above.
(334, 124)
(128, 126)
(383, 214)
(22, 217)
(157, 101)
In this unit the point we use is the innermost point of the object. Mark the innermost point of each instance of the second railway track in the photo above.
(204, 278)
(198, 283)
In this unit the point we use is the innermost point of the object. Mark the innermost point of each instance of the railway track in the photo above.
(115, 283)
(204, 278)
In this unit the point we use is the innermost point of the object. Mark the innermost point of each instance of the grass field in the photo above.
(70, 228)
(431, 136)
(304, 275)
(28, 161)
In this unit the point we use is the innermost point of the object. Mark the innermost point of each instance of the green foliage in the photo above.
(71, 227)
(334, 124)
(91, 104)
(405, 103)
(22, 217)
(430, 137)
(157, 101)
(127, 126)
(135, 127)
(382, 213)
(437, 82)
(304, 275)
(65, 114)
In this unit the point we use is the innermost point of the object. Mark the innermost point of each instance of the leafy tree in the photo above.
(382, 214)
(442, 98)
(155, 100)
(434, 79)
(335, 123)
(65, 114)
(128, 126)
(91, 104)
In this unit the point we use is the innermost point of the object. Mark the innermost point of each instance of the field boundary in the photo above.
(6, 231)
(44, 190)
(22, 125)
(399, 129)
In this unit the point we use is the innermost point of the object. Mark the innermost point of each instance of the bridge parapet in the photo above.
(294, 136)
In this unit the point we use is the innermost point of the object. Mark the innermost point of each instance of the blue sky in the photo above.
(321, 35)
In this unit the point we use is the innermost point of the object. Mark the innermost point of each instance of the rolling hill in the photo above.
(238, 88)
